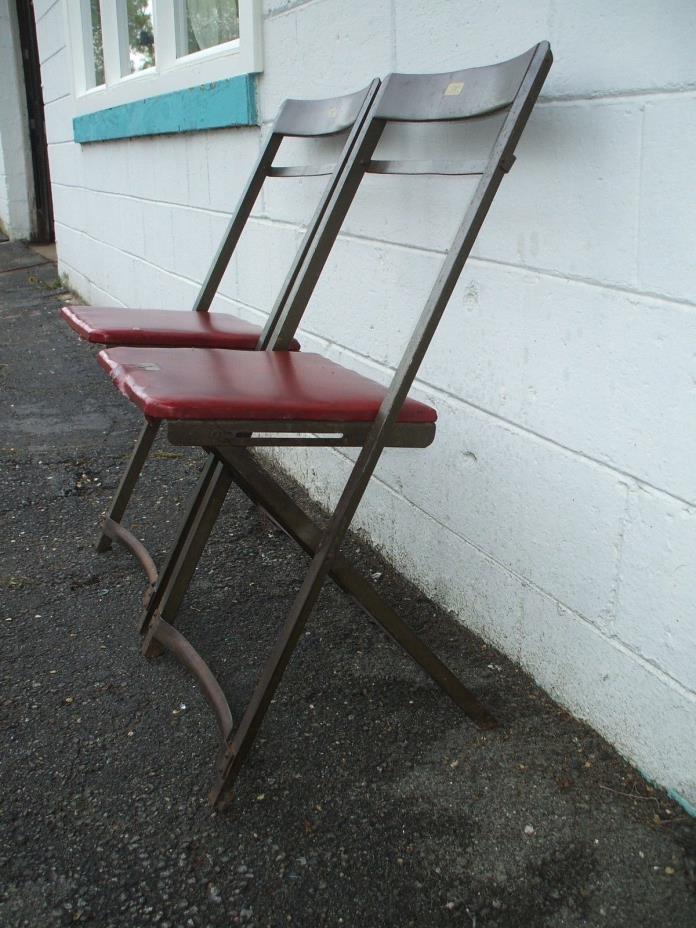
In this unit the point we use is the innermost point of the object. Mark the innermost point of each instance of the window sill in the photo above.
(216, 105)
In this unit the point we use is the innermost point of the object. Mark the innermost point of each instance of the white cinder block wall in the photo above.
(556, 512)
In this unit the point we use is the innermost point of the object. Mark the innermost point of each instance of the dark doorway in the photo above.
(37, 126)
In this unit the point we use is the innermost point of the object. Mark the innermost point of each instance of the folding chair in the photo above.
(229, 402)
(312, 119)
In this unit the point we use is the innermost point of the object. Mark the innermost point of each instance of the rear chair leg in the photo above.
(129, 479)
(194, 505)
(191, 544)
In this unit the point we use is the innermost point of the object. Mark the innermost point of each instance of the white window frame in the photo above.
(170, 73)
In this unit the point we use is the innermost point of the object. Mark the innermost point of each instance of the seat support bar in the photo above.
(217, 433)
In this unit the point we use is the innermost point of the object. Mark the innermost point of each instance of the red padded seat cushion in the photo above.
(161, 328)
(199, 383)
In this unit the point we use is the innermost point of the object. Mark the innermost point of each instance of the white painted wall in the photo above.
(16, 181)
(556, 512)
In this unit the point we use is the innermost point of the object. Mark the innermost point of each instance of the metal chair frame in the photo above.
(511, 87)
(312, 119)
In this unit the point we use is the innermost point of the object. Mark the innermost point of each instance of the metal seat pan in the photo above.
(265, 386)
(161, 328)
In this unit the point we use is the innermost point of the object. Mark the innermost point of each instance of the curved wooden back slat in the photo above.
(453, 95)
(311, 118)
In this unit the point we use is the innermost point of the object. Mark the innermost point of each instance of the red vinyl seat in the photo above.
(198, 383)
(161, 328)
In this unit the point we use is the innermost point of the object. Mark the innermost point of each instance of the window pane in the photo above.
(97, 43)
(208, 23)
(141, 35)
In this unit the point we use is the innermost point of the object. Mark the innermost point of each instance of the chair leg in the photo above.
(191, 543)
(193, 508)
(234, 753)
(129, 479)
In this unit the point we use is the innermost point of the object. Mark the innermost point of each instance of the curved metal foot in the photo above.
(116, 532)
(177, 644)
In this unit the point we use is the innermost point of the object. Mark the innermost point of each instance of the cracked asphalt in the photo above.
(368, 800)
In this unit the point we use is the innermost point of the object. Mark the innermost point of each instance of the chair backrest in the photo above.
(509, 88)
(303, 119)
(513, 87)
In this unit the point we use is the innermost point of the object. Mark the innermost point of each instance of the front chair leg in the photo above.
(234, 752)
(129, 479)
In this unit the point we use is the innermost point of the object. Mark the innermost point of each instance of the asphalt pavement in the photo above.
(368, 800)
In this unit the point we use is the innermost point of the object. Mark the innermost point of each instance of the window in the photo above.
(129, 50)
(205, 24)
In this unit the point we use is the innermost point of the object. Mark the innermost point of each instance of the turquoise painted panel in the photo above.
(231, 102)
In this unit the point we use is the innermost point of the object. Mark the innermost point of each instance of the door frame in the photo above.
(29, 49)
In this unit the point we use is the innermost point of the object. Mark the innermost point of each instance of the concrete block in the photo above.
(191, 237)
(70, 246)
(58, 115)
(650, 719)
(56, 78)
(264, 256)
(105, 166)
(542, 513)
(156, 288)
(41, 7)
(68, 205)
(369, 297)
(569, 203)
(99, 220)
(170, 184)
(668, 198)
(51, 32)
(141, 164)
(598, 48)
(159, 235)
(622, 47)
(328, 48)
(230, 156)
(445, 35)
(603, 372)
(65, 163)
(196, 148)
(116, 275)
(77, 282)
(657, 584)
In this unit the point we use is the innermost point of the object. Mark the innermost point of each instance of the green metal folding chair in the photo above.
(230, 402)
(310, 119)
